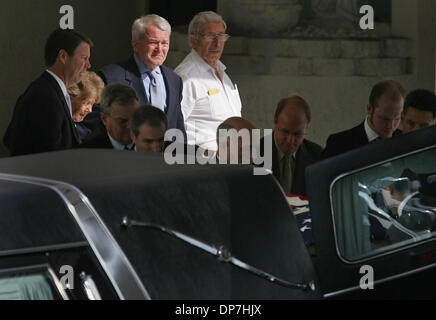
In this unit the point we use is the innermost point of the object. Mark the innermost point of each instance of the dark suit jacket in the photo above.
(347, 140)
(308, 153)
(127, 72)
(98, 139)
(41, 120)
(82, 130)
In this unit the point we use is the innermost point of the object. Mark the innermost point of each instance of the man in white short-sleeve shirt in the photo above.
(209, 96)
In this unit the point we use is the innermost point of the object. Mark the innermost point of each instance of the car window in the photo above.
(385, 207)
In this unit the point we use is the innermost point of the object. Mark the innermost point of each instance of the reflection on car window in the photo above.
(385, 207)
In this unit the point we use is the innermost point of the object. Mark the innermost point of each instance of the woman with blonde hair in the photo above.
(83, 96)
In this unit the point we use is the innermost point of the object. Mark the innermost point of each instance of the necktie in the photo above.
(156, 90)
(286, 178)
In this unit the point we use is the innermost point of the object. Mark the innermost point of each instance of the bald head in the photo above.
(291, 121)
(391, 89)
(385, 107)
(238, 123)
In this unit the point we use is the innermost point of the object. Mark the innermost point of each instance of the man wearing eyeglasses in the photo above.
(291, 152)
(154, 83)
(209, 96)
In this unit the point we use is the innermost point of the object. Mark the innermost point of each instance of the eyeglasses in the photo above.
(222, 37)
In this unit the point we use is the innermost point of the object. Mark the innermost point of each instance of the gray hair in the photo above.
(116, 92)
(202, 18)
(139, 25)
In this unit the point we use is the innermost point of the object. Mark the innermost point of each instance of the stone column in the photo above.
(259, 17)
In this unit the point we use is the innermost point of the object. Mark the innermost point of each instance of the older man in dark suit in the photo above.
(154, 83)
(42, 118)
(291, 152)
(383, 118)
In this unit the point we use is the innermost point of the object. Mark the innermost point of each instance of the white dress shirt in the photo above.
(206, 100)
(117, 145)
(371, 134)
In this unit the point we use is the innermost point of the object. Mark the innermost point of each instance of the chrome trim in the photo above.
(71, 245)
(387, 252)
(222, 253)
(40, 267)
(112, 259)
(89, 286)
(377, 282)
(58, 284)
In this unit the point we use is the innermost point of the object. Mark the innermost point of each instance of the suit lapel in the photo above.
(361, 136)
(169, 89)
(105, 140)
(298, 176)
(61, 98)
(102, 138)
(275, 161)
(133, 77)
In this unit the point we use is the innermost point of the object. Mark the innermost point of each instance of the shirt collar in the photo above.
(371, 134)
(203, 64)
(59, 81)
(117, 145)
(142, 67)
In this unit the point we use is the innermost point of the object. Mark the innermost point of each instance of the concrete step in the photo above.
(307, 57)
(307, 48)
(258, 65)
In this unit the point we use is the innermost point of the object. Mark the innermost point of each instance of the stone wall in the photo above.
(335, 75)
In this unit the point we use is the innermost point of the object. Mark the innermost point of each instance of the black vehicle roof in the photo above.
(219, 205)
